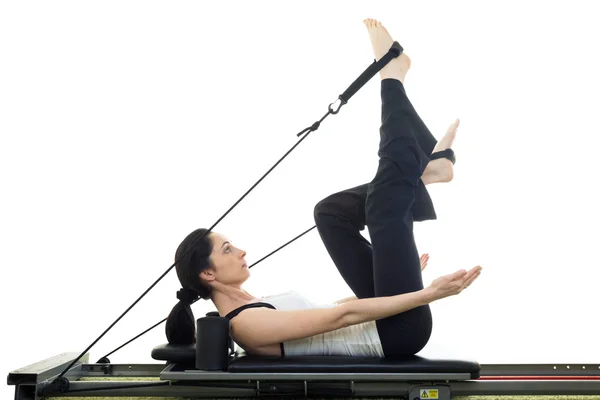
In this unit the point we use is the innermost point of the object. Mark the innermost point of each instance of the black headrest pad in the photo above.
(184, 354)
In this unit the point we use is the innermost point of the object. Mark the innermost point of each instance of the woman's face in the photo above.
(230, 266)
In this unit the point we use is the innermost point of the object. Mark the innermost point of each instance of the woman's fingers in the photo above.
(455, 283)
(463, 278)
(460, 274)
(471, 276)
(424, 259)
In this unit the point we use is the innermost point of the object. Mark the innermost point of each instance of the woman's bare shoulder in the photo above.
(260, 327)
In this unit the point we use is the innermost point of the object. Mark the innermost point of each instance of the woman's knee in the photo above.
(330, 205)
(406, 334)
(349, 206)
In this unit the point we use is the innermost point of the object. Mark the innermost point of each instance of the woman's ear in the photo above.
(208, 275)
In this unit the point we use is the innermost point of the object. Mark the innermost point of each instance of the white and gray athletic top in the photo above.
(355, 340)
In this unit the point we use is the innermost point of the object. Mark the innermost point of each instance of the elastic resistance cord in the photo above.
(395, 51)
(105, 360)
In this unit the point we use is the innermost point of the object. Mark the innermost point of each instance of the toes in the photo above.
(371, 23)
(453, 127)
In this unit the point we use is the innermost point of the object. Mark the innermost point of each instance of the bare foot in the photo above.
(441, 169)
(382, 41)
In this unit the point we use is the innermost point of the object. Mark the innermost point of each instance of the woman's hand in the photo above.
(452, 284)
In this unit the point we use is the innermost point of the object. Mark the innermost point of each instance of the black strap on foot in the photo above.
(370, 72)
(448, 153)
(361, 81)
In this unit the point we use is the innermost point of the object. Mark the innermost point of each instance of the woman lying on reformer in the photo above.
(390, 315)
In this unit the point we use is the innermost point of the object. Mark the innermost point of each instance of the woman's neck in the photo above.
(230, 298)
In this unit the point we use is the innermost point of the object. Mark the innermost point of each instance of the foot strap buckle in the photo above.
(342, 102)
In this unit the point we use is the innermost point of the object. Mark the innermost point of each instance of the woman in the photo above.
(390, 315)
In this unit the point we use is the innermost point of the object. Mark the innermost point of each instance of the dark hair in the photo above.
(194, 251)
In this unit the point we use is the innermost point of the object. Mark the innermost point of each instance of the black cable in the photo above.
(105, 358)
(183, 255)
(276, 250)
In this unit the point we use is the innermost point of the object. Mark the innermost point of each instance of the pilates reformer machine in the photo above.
(214, 368)
(211, 369)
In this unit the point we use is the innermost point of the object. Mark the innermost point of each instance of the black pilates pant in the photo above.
(388, 206)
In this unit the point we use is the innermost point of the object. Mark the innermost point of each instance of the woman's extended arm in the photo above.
(261, 327)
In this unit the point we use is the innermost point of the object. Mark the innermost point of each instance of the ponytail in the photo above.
(181, 324)
(193, 257)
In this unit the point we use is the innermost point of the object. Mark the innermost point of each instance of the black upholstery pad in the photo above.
(324, 364)
(346, 364)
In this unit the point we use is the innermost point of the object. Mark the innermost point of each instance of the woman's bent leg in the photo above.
(339, 218)
(390, 197)
(424, 136)
(422, 208)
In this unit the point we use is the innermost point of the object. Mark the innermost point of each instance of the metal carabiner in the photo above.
(342, 102)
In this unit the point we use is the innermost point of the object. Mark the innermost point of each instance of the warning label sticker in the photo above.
(429, 394)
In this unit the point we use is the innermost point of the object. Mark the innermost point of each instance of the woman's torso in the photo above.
(356, 340)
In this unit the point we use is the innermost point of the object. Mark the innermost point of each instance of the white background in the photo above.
(126, 125)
